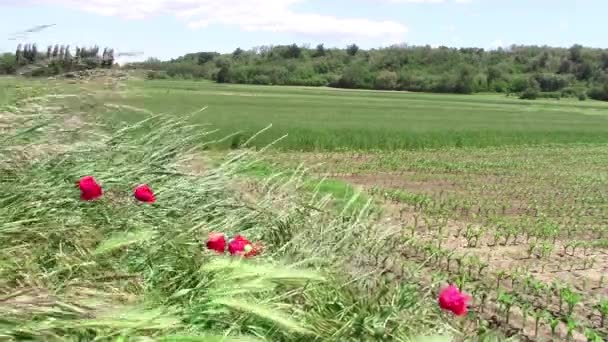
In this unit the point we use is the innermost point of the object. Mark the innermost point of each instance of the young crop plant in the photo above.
(538, 315)
(602, 307)
(593, 336)
(571, 298)
(553, 323)
(571, 325)
(506, 300)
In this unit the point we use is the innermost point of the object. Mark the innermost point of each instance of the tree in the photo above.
(67, 55)
(24, 54)
(107, 58)
(464, 82)
(576, 53)
(204, 57)
(551, 82)
(604, 60)
(223, 74)
(34, 53)
(29, 53)
(564, 67)
(56, 51)
(355, 75)
(543, 59)
(18, 53)
(352, 49)
(110, 57)
(237, 52)
(8, 64)
(49, 51)
(386, 80)
(293, 51)
(599, 93)
(532, 90)
(518, 85)
(319, 51)
(494, 74)
(584, 71)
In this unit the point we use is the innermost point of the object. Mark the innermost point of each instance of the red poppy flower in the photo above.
(451, 299)
(217, 242)
(144, 193)
(89, 189)
(253, 249)
(238, 244)
(241, 246)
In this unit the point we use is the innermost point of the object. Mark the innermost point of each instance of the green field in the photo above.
(385, 196)
(331, 119)
(325, 119)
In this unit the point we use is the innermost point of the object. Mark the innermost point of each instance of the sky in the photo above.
(169, 28)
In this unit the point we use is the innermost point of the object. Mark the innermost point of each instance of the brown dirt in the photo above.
(555, 267)
(400, 181)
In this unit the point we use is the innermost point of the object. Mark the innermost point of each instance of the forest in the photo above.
(527, 71)
(57, 59)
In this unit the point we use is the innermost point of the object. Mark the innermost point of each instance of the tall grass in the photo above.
(115, 269)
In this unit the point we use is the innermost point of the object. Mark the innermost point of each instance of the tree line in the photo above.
(526, 71)
(57, 59)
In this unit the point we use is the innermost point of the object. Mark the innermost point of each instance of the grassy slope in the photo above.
(337, 119)
(117, 268)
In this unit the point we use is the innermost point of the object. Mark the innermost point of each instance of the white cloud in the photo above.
(250, 15)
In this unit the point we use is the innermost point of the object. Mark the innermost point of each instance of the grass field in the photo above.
(330, 119)
(506, 198)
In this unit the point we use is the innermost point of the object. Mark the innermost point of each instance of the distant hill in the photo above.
(528, 71)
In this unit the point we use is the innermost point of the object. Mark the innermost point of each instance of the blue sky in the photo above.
(169, 28)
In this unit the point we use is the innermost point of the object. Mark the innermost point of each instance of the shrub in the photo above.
(532, 90)
(599, 93)
(551, 82)
(550, 95)
(386, 80)
(500, 86)
(156, 75)
(582, 96)
(518, 85)
(8, 64)
(261, 79)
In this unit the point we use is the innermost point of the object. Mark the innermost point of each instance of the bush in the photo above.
(262, 80)
(156, 75)
(574, 92)
(8, 64)
(599, 93)
(386, 80)
(355, 76)
(551, 82)
(412, 82)
(185, 70)
(532, 90)
(518, 85)
(465, 81)
(550, 95)
(500, 86)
